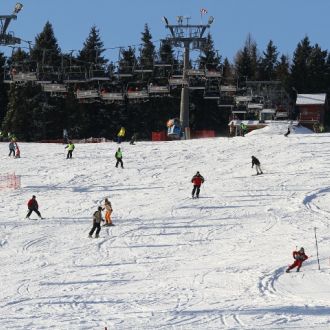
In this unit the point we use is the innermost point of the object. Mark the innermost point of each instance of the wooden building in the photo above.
(311, 109)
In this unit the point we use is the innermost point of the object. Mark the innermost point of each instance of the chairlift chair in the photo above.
(212, 89)
(47, 74)
(111, 92)
(98, 72)
(158, 87)
(20, 72)
(137, 91)
(74, 74)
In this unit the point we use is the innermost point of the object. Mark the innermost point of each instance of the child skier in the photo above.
(70, 148)
(256, 162)
(299, 257)
(97, 218)
(108, 211)
(18, 152)
(33, 207)
(119, 157)
(197, 181)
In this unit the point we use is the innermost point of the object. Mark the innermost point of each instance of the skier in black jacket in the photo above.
(256, 162)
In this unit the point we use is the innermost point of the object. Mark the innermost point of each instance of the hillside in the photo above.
(170, 262)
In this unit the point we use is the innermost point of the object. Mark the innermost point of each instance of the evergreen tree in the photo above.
(246, 61)
(300, 66)
(268, 62)
(93, 49)
(147, 55)
(282, 71)
(127, 62)
(227, 72)
(209, 58)
(318, 69)
(3, 88)
(46, 50)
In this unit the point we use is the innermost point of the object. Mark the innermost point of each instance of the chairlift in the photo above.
(197, 82)
(212, 89)
(47, 74)
(137, 91)
(177, 80)
(74, 74)
(98, 72)
(55, 90)
(21, 72)
(111, 92)
(158, 87)
(86, 93)
(212, 70)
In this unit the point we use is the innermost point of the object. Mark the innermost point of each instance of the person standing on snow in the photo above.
(11, 148)
(121, 134)
(290, 127)
(299, 257)
(70, 148)
(119, 157)
(33, 207)
(197, 181)
(108, 210)
(97, 218)
(18, 152)
(256, 162)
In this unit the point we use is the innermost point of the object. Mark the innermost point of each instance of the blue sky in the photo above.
(286, 22)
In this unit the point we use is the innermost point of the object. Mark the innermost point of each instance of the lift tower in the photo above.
(186, 35)
(7, 38)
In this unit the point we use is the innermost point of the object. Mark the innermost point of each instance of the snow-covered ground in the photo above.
(171, 262)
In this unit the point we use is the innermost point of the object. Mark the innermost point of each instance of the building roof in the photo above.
(310, 99)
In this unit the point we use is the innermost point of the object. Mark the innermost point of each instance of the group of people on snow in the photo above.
(97, 218)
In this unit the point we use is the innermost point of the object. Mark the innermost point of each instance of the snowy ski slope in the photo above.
(171, 262)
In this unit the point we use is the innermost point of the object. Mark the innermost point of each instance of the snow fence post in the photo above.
(317, 249)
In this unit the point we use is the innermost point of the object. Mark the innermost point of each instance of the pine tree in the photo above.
(268, 62)
(209, 58)
(227, 72)
(93, 49)
(300, 66)
(318, 69)
(3, 88)
(46, 50)
(246, 61)
(147, 52)
(282, 71)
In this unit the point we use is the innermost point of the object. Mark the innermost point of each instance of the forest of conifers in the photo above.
(33, 115)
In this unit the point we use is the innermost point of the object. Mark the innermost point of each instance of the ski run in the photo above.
(169, 261)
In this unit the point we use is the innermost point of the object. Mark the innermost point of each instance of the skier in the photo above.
(11, 148)
(243, 128)
(133, 139)
(289, 130)
(70, 148)
(97, 218)
(299, 257)
(33, 207)
(197, 180)
(121, 134)
(18, 152)
(119, 157)
(108, 210)
(256, 162)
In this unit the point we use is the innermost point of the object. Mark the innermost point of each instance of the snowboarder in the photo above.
(256, 162)
(121, 134)
(243, 128)
(289, 130)
(70, 148)
(119, 157)
(299, 257)
(197, 181)
(97, 218)
(11, 148)
(33, 207)
(108, 210)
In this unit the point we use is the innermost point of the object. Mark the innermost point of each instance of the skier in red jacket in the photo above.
(197, 180)
(33, 206)
(299, 257)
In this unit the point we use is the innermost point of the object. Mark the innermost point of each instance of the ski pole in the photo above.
(317, 249)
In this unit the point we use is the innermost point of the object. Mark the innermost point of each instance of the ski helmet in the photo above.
(302, 249)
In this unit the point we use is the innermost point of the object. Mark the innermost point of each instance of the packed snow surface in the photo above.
(170, 261)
